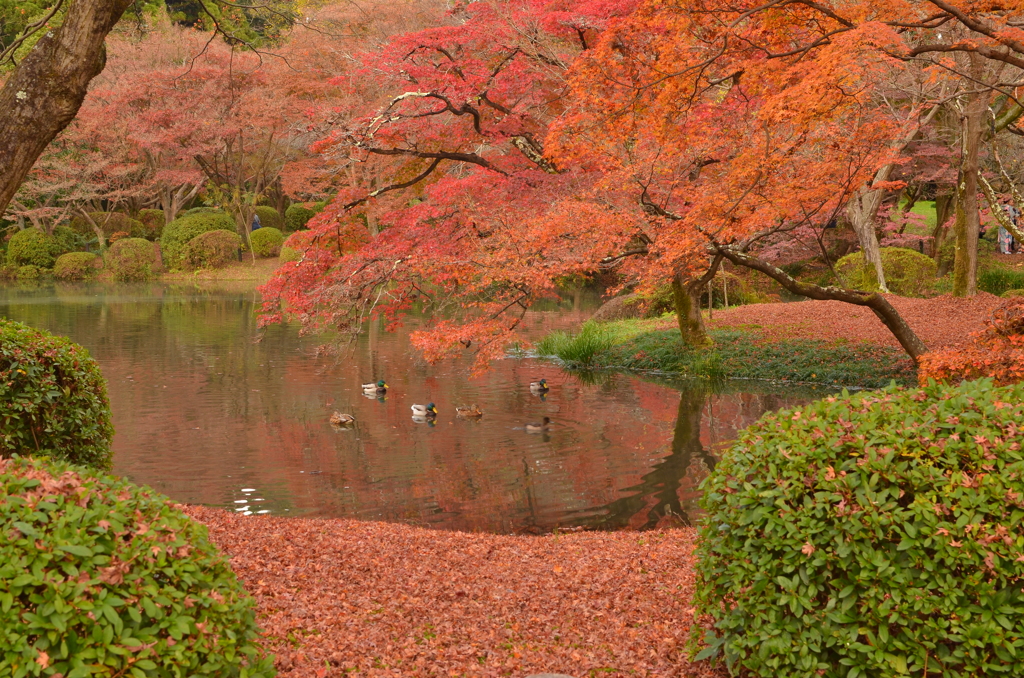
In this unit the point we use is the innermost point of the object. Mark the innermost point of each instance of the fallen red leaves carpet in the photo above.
(343, 597)
(940, 322)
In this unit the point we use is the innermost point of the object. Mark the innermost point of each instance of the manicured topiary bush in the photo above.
(289, 254)
(179, 232)
(32, 247)
(266, 242)
(153, 224)
(296, 216)
(876, 534)
(214, 249)
(270, 217)
(99, 577)
(132, 260)
(29, 272)
(68, 240)
(75, 266)
(907, 273)
(53, 399)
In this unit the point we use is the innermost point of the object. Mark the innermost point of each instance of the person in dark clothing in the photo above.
(256, 222)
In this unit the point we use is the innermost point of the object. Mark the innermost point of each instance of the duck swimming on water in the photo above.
(539, 386)
(380, 388)
(339, 419)
(534, 427)
(424, 410)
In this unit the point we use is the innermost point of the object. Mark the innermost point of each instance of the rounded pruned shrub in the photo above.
(266, 242)
(29, 272)
(101, 577)
(32, 247)
(907, 273)
(153, 224)
(213, 249)
(270, 217)
(75, 266)
(132, 260)
(179, 232)
(297, 216)
(53, 399)
(877, 534)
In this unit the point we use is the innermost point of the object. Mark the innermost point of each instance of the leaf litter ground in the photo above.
(343, 597)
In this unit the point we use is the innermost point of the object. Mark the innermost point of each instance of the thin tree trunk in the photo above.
(878, 304)
(944, 206)
(46, 89)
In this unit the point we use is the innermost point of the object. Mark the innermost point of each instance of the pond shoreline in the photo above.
(339, 596)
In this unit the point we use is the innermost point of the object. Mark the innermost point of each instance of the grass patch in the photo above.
(739, 354)
(999, 280)
(580, 349)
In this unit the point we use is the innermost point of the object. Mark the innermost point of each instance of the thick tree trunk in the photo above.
(47, 88)
(686, 292)
(944, 205)
(968, 220)
(861, 212)
(878, 304)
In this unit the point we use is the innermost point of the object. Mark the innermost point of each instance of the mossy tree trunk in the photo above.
(686, 292)
(968, 223)
(46, 89)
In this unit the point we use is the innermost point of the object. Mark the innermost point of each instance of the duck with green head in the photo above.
(380, 388)
(424, 410)
(539, 386)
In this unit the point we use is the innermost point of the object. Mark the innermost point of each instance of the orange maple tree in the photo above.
(996, 352)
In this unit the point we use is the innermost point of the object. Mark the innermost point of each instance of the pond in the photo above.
(209, 409)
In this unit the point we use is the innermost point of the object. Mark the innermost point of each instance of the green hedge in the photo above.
(297, 216)
(907, 273)
(32, 247)
(110, 223)
(75, 266)
(53, 399)
(132, 260)
(179, 232)
(99, 577)
(871, 535)
(270, 217)
(266, 242)
(213, 249)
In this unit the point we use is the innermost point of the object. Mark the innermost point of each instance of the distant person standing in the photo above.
(256, 222)
(1007, 244)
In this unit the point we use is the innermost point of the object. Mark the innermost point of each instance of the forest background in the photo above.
(474, 157)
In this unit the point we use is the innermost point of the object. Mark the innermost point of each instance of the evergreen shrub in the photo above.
(297, 216)
(266, 242)
(75, 266)
(876, 534)
(29, 272)
(152, 224)
(270, 217)
(213, 249)
(289, 254)
(32, 247)
(53, 399)
(907, 272)
(179, 232)
(101, 577)
(132, 260)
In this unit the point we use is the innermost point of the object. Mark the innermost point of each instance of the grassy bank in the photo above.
(655, 345)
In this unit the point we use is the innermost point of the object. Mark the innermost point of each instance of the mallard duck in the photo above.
(339, 419)
(424, 410)
(380, 388)
(539, 386)
(544, 426)
(473, 412)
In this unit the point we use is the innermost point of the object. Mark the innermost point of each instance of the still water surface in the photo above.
(209, 409)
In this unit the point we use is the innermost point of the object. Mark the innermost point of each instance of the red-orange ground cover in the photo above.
(940, 322)
(343, 597)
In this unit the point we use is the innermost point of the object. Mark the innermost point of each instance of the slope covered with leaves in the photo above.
(379, 599)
